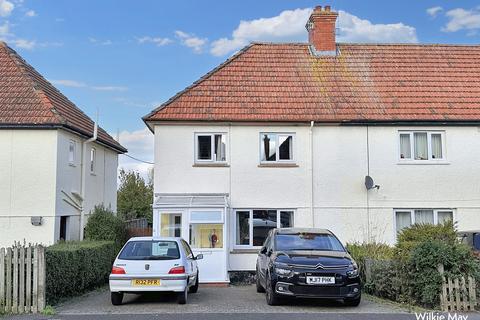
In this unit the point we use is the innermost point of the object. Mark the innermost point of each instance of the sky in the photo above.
(124, 58)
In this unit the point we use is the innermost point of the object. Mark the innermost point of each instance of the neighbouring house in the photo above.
(361, 139)
(55, 163)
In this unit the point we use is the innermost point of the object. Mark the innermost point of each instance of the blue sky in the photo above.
(126, 57)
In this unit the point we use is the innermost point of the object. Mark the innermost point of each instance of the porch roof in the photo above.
(185, 200)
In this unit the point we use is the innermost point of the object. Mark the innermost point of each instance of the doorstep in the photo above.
(215, 285)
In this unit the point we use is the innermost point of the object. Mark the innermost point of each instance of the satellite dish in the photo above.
(369, 184)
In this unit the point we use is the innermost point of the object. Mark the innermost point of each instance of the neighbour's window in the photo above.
(422, 145)
(276, 147)
(150, 250)
(93, 160)
(71, 151)
(252, 226)
(405, 218)
(210, 147)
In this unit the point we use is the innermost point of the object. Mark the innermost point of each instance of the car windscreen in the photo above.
(307, 241)
(150, 250)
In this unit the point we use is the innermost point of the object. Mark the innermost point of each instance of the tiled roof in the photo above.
(29, 100)
(365, 82)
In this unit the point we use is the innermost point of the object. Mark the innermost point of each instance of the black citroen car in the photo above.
(310, 263)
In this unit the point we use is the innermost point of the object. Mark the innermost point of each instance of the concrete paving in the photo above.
(233, 299)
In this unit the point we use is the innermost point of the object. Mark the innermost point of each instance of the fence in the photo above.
(457, 294)
(22, 279)
(138, 228)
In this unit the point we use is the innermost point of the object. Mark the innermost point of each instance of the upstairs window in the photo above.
(71, 152)
(422, 145)
(93, 160)
(210, 147)
(276, 147)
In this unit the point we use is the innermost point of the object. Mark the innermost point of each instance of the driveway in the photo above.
(233, 299)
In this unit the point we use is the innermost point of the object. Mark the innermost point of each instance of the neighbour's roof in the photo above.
(363, 83)
(28, 100)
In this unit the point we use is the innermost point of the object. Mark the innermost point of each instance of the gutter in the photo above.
(83, 177)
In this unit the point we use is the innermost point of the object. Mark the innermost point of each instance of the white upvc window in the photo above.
(404, 218)
(93, 160)
(422, 146)
(252, 225)
(277, 147)
(72, 149)
(210, 147)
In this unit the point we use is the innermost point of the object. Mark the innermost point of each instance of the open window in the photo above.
(210, 148)
(276, 147)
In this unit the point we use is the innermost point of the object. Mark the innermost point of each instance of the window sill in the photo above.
(214, 165)
(72, 164)
(245, 251)
(278, 165)
(423, 162)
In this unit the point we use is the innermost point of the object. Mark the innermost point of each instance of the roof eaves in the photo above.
(196, 83)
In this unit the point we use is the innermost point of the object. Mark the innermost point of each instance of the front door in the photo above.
(207, 236)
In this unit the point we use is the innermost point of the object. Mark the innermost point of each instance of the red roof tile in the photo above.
(29, 100)
(365, 82)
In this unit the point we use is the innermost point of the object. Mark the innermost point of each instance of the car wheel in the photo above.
(259, 286)
(194, 288)
(182, 296)
(352, 302)
(117, 298)
(272, 298)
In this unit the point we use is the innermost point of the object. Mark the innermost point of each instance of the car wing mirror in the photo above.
(263, 250)
(199, 256)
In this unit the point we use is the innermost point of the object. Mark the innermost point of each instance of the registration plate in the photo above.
(145, 282)
(320, 280)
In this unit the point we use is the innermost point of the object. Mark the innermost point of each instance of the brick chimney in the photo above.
(321, 31)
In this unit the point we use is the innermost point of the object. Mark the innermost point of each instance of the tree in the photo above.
(134, 197)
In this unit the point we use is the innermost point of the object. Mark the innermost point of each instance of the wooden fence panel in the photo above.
(8, 300)
(456, 294)
(22, 279)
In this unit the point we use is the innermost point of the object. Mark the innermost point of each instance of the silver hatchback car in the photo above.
(152, 264)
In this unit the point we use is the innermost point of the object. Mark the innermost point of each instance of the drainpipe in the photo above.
(311, 174)
(83, 175)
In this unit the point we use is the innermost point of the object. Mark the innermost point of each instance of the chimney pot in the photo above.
(321, 31)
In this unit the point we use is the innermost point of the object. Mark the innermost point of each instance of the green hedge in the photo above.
(373, 251)
(75, 267)
(104, 225)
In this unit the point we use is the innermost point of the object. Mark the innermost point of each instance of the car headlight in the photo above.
(353, 271)
(281, 270)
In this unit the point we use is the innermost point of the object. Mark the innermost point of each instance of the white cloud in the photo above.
(109, 88)
(6, 8)
(24, 44)
(191, 41)
(140, 145)
(4, 30)
(434, 11)
(289, 26)
(100, 42)
(354, 29)
(155, 40)
(30, 13)
(69, 83)
(462, 19)
(79, 84)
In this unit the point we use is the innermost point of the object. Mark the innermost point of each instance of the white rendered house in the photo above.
(55, 164)
(285, 135)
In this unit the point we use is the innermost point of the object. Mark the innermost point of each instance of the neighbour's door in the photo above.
(206, 236)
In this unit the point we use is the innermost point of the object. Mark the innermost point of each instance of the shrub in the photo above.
(103, 225)
(374, 251)
(75, 267)
(409, 238)
(384, 281)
